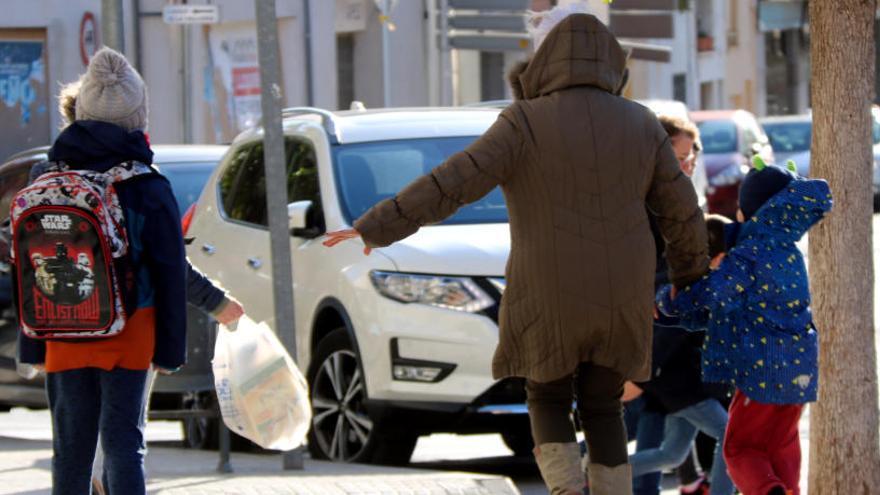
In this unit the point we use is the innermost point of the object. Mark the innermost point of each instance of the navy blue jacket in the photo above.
(153, 226)
(756, 305)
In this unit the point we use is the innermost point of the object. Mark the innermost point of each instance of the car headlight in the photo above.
(457, 293)
(732, 174)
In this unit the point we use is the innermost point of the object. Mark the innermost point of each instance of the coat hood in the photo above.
(580, 51)
(791, 212)
(98, 146)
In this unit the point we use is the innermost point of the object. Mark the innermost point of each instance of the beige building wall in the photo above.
(745, 86)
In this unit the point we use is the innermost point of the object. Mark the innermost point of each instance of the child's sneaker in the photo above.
(698, 487)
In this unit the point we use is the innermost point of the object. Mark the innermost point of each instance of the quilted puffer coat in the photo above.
(577, 165)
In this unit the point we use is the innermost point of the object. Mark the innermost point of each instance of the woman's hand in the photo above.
(631, 391)
(334, 238)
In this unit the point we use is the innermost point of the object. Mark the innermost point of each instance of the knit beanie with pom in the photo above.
(112, 91)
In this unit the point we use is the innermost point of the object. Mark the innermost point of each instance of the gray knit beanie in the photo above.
(112, 91)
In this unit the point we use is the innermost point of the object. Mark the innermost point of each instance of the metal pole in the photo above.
(186, 94)
(307, 25)
(445, 62)
(276, 185)
(112, 30)
(386, 52)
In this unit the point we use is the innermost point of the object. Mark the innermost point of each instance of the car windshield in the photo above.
(370, 172)
(187, 180)
(718, 136)
(787, 137)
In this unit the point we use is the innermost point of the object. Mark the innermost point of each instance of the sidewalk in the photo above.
(25, 468)
(26, 457)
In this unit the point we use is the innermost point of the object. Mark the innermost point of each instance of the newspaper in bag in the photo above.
(262, 394)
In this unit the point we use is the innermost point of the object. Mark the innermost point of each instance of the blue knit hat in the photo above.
(762, 183)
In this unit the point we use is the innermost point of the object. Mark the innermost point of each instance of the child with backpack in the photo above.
(101, 277)
(760, 332)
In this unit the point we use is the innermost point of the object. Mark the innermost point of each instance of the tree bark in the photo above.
(844, 444)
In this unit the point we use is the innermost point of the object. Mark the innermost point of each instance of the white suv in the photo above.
(396, 344)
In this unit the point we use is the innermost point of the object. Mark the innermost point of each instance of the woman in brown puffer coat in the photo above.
(577, 164)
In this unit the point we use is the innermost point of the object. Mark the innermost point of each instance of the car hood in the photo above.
(801, 160)
(716, 162)
(453, 250)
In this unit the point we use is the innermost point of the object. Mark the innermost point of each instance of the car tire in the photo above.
(519, 441)
(342, 429)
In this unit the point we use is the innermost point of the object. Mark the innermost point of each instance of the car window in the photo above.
(718, 136)
(370, 172)
(243, 186)
(187, 180)
(302, 177)
(788, 137)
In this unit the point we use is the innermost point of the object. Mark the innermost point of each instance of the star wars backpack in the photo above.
(73, 278)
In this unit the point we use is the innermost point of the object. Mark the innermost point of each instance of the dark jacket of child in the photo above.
(153, 225)
(756, 305)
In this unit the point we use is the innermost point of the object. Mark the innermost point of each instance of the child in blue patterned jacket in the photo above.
(760, 332)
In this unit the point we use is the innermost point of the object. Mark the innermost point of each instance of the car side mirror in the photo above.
(298, 220)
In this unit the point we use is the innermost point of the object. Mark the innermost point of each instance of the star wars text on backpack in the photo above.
(69, 245)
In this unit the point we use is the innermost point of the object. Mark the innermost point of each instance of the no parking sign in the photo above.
(88, 37)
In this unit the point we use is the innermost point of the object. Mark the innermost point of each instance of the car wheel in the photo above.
(520, 442)
(199, 432)
(342, 429)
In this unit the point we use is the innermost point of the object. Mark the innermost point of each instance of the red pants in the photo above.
(762, 447)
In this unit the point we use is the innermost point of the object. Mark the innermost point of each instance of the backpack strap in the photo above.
(128, 170)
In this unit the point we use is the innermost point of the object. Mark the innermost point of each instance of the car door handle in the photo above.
(255, 263)
(209, 249)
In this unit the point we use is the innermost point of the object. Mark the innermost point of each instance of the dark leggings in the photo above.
(598, 391)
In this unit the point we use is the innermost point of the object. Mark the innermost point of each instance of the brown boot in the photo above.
(606, 480)
(560, 466)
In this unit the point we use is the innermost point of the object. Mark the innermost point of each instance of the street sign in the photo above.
(514, 23)
(490, 4)
(88, 37)
(490, 43)
(648, 52)
(644, 4)
(191, 14)
(641, 25)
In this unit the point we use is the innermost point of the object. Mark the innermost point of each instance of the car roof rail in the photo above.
(328, 119)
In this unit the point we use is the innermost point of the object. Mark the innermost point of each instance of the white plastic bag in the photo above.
(262, 394)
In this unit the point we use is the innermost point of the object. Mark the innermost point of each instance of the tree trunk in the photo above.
(844, 447)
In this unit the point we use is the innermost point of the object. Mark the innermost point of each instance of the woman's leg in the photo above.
(556, 451)
(601, 413)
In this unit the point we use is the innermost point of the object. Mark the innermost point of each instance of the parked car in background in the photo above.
(730, 139)
(187, 168)
(675, 108)
(396, 344)
(790, 136)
